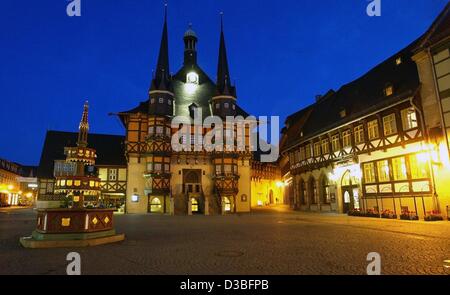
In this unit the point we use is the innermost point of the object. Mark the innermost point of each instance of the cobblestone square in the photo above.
(270, 241)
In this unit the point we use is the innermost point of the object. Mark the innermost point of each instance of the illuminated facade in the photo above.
(110, 164)
(18, 184)
(377, 144)
(161, 180)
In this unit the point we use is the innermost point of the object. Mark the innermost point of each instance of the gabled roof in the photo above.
(358, 98)
(110, 150)
(440, 29)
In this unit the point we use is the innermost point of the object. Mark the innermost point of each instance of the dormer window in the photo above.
(398, 61)
(226, 105)
(152, 101)
(343, 113)
(389, 90)
(217, 106)
(169, 102)
(161, 100)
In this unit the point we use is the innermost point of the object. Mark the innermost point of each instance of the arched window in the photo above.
(194, 205)
(227, 204)
(155, 205)
(325, 190)
(312, 191)
(303, 192)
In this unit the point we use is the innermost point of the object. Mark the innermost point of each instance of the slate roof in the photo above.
(110, 150)
(358, 98)
(439, 30)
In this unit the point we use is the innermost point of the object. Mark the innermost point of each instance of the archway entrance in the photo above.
(192, 188)
(350, 192)
(271, 196)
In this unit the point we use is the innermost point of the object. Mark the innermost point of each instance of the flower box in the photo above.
(434, 216)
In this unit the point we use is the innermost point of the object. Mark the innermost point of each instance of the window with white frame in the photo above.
(302, 153)
(317, 152)
(372, 129)
(308, 151)
(346, 138)
(389, 125)
(325, 147)
(335, 143)
(359, 134)
(409, 119)
(161, 100)
(112, 174)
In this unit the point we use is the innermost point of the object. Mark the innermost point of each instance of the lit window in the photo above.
(335, 143)
(409, 119)
(369, 173)
(157, 167)
(346, 138)
(389, 125)
(389, 90)
(308, 151)
(77, 183)
(69, 182)
(167, 168)
(398, 61)
(302, 153)
(150, 130)
(399, 168)
(218, 169)
(383, 171)
(112, 175)
(152, 101)
(159, 129)
(161, 100)
(325, 147)
(372, 129)
(419, 166)
(359, 134)
(317, 149)
(150, 167)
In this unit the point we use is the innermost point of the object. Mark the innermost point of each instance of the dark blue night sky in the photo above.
(281, 54)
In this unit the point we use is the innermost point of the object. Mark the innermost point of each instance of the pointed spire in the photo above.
(162, 74)
(83, 128)
(223, 73)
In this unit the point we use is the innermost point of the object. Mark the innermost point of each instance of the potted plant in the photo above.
(409, 215)
(434, 216)
(388, 214)
(372, 213)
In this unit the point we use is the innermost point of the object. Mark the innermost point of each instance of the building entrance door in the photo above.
(350, 192)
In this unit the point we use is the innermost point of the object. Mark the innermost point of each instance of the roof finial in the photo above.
(221, 21)
(165, 10)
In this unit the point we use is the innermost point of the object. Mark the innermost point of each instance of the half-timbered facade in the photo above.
(163, 180)
(110, 164)
(368, 146)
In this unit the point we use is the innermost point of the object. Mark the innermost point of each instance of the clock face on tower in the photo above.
(192, 78)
